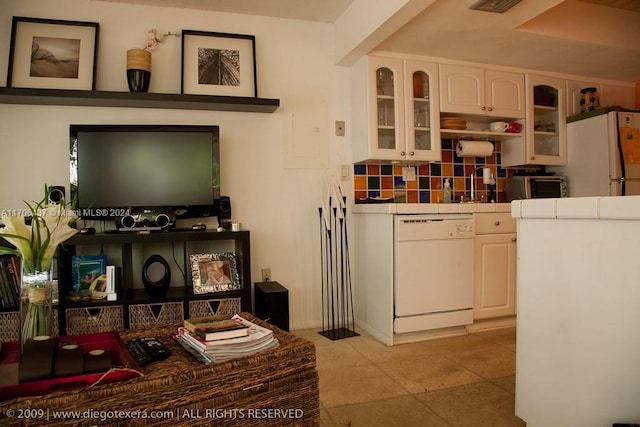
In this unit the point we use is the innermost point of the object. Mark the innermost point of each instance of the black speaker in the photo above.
(224, 208)
(160, 221)
(196, 211)
(272, 304)
(224, 212)
(56, 194)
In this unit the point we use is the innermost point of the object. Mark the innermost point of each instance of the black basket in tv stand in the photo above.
(121, 246)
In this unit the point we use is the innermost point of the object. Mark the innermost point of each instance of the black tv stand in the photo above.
(128, 251)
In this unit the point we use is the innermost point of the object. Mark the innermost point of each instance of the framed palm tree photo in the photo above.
(218, 64)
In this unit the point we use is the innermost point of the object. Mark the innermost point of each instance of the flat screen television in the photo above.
(131, 169)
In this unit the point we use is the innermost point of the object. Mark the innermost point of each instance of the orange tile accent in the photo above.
(360, 182)
(412, 185)
(436, 183)
(458, 184)
(436, 197)
(447, 169)
(412, 196)
(387, 194)
(397, 169)
(424, 170)
(360, 195)
(373, 169)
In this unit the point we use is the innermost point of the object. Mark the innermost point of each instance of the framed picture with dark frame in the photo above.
(213, 273)
(218, 64)
(52, 54)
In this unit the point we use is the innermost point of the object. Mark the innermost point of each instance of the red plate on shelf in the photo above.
(107, 341)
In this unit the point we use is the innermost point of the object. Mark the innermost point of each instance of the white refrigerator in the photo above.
(603, 155)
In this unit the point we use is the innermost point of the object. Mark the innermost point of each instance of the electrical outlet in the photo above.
(266, 274)
(339, 128)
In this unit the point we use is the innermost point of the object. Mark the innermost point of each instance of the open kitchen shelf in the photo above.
(461, 134)
(10, 95)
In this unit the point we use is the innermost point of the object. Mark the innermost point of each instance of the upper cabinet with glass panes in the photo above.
(397, 121)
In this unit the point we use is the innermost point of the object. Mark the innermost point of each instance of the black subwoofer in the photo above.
(272, 304)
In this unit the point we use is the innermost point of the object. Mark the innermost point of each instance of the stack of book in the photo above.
(9, 282)
(221, 338)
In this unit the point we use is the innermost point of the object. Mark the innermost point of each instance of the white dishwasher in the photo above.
(433, 271)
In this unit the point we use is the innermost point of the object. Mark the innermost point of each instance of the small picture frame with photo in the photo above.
(213, 273)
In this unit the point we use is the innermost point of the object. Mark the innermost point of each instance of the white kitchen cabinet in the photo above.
(610, 94)
(375, 274)
(478, 91)
(494, 266)
(545, 141)
(393, 116)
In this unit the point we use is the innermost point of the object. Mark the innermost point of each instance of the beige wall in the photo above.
(273, 165)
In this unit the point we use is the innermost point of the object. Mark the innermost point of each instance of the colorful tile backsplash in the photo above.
(384, 180)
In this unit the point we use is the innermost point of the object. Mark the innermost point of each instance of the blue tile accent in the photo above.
(398, 182)
(359, 169)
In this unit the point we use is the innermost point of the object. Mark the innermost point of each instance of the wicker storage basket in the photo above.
(168, 314)
(94, 319)
(210, 307)
(10, 325)
(274, 388)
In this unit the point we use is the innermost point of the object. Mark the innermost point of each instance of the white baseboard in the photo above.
(489, 324)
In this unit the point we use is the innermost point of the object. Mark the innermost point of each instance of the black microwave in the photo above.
(536, 187)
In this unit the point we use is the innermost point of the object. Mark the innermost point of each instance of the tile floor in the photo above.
(459, 381)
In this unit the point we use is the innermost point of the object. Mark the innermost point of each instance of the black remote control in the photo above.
(155, 348)
(139, 352)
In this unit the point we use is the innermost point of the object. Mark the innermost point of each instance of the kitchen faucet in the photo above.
(486, 178)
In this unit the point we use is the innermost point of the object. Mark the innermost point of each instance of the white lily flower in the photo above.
(17, 233)
(36, 244)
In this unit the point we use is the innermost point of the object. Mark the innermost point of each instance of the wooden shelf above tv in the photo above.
(93, 98)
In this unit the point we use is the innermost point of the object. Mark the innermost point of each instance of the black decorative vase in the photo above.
(138, 70)
(156, 288)
(138, 80)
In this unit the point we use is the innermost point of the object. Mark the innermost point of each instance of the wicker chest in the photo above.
(276, 388)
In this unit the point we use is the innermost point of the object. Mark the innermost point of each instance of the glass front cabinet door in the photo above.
(401, 122)
(546, 123)
(421, 123)
(386, 113)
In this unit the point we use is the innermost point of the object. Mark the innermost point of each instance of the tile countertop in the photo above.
(429, 208)
(605, 208)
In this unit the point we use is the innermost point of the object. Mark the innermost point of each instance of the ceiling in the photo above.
(597, 38)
